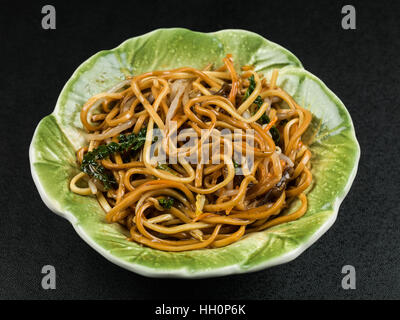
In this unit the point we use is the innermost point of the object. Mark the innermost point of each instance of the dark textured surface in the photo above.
(361, 66)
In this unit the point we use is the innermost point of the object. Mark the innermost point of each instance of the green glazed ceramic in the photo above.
(335, 152)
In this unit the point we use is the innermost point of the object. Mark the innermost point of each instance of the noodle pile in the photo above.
(201, 196)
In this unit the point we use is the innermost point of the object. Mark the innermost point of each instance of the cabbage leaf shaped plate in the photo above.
(335, 152)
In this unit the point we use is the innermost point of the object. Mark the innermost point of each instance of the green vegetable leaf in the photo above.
(275, 135)
(166, 203)
(91, 166)
(165, 167)
(251, 88)
(258, 101)
(131, 141)
(94, 169)
(264, 119)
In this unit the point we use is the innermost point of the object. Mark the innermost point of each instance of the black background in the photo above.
(361, 66)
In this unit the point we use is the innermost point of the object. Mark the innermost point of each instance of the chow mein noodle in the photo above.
(188, 159)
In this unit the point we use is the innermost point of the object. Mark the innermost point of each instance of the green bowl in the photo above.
(335, 152)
